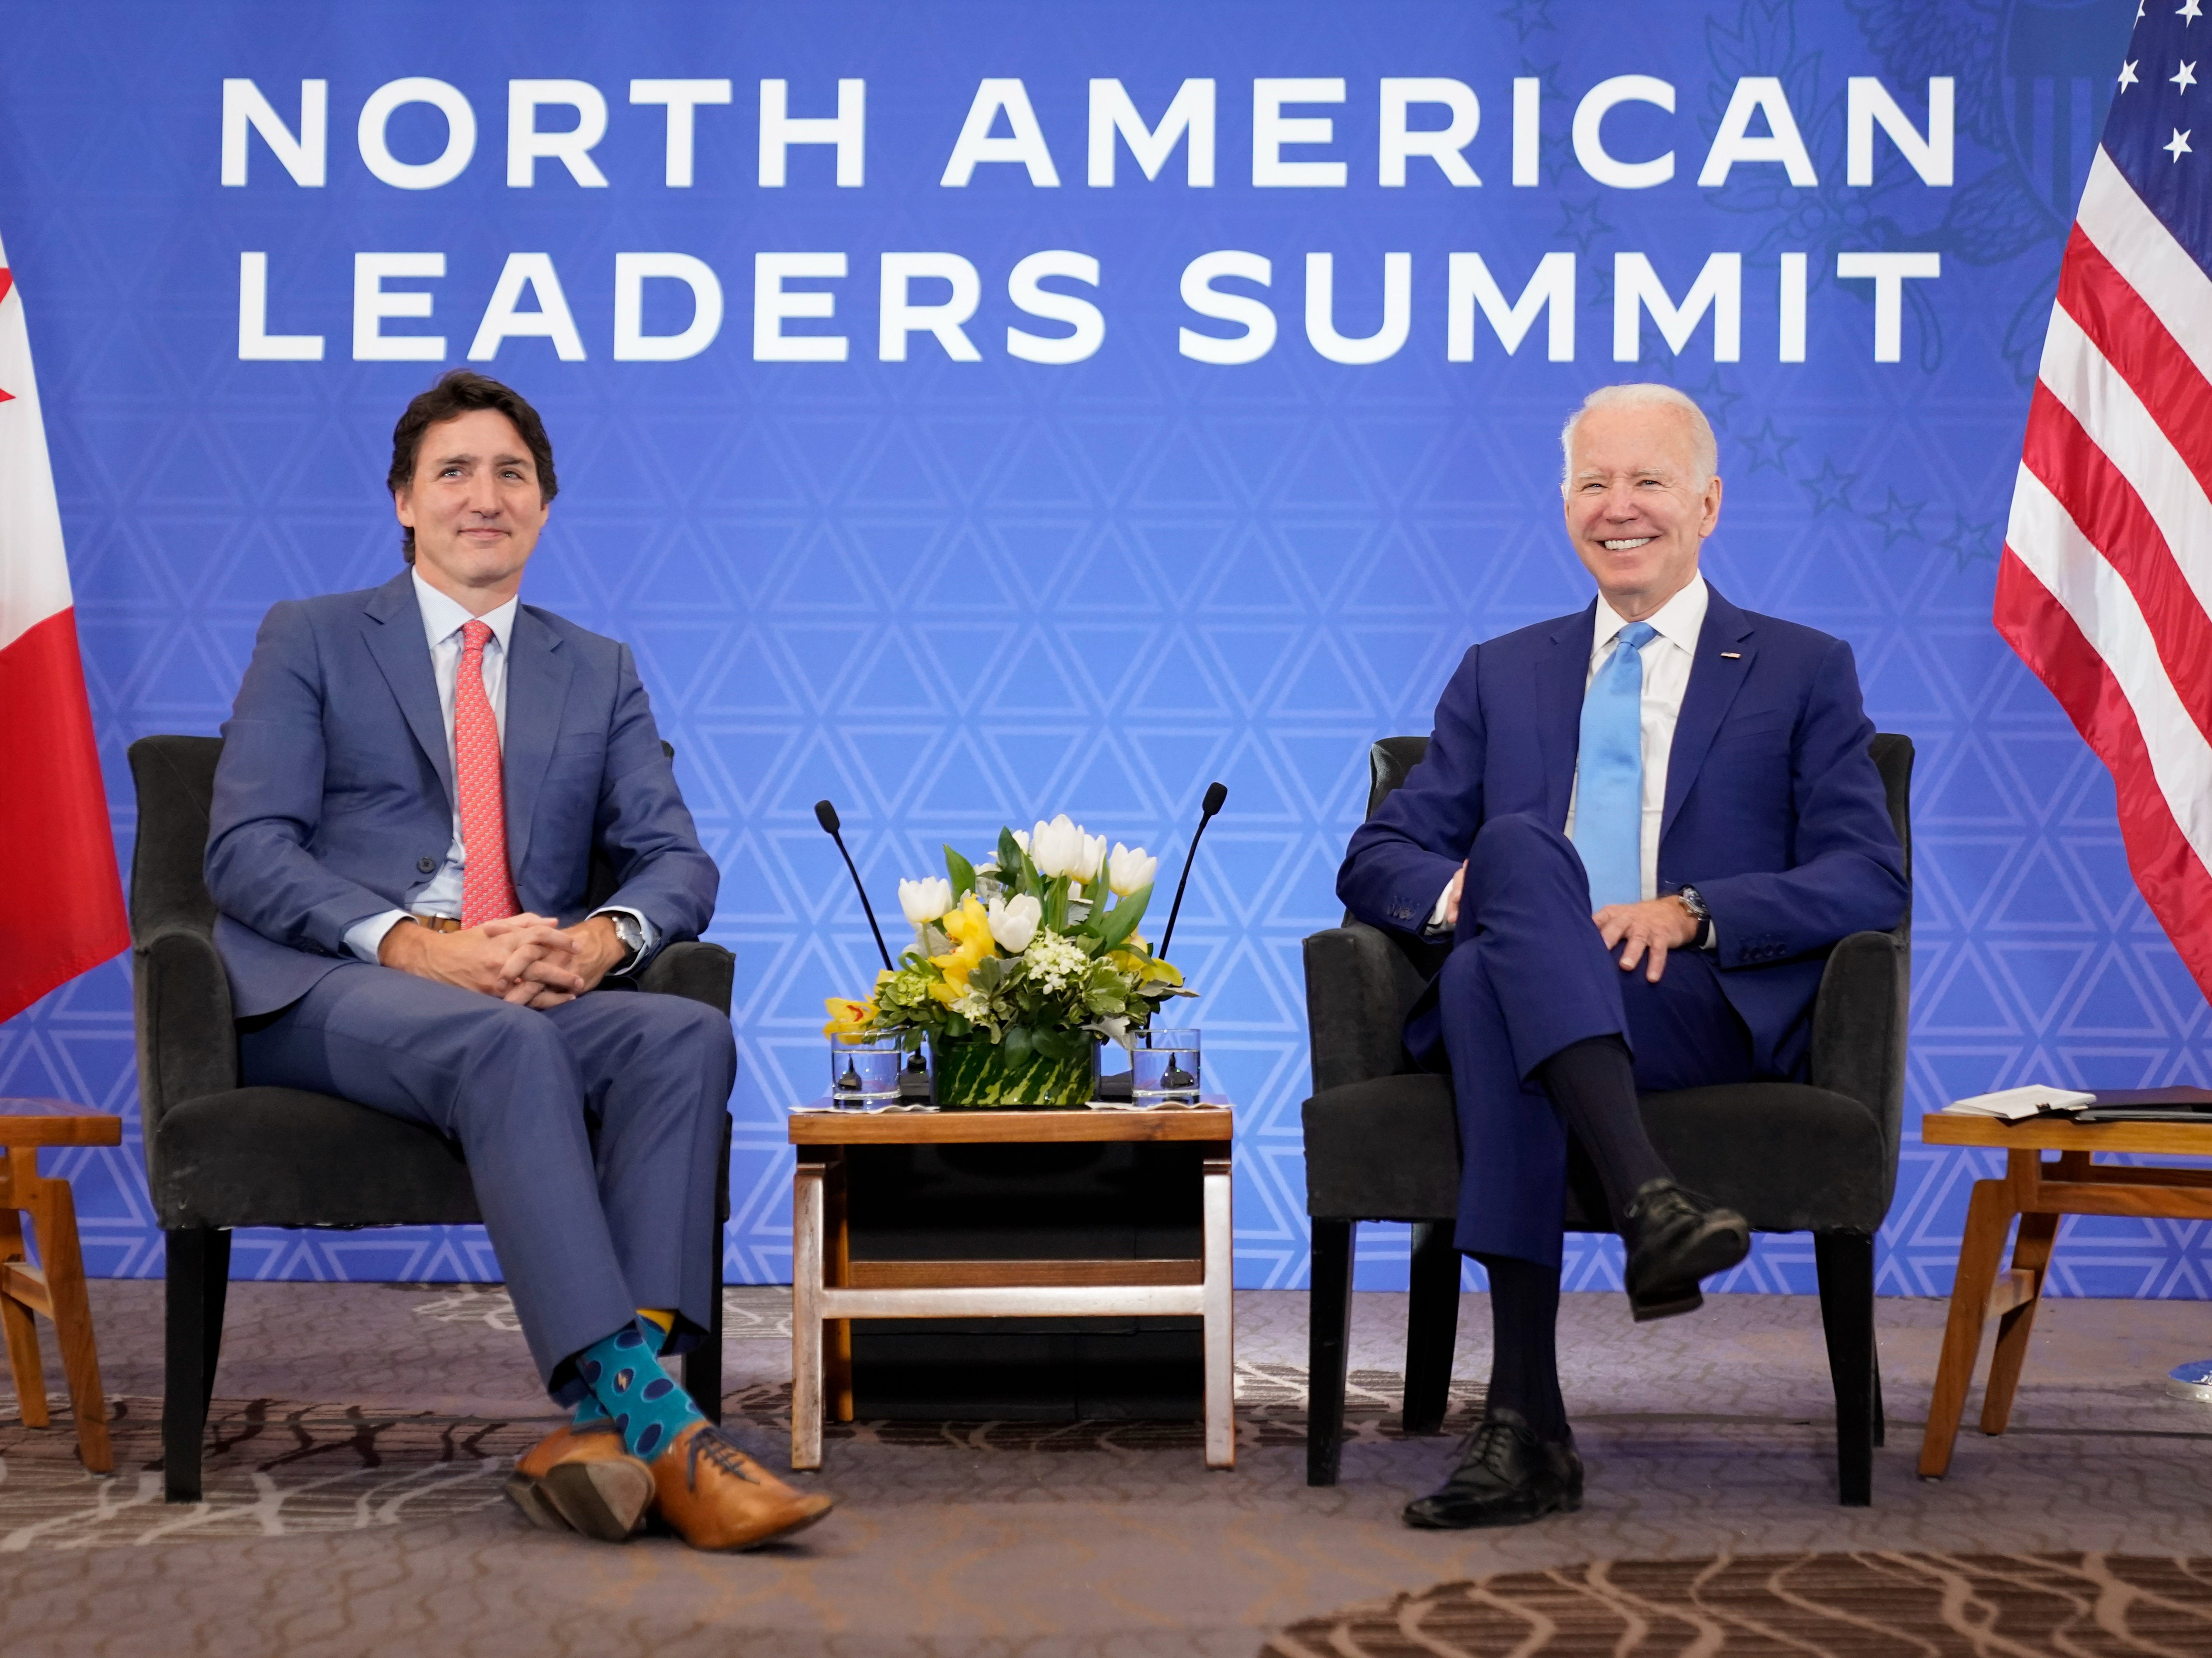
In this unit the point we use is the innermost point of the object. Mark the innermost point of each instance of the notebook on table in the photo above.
(2105, 1105)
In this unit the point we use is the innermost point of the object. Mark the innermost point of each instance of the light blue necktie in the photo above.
(1609, 773)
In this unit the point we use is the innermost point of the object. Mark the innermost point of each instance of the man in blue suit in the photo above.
(414, 782)
(1641, 827)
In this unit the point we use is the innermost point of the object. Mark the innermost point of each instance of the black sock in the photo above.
(1524, 1365)
(1593, 1082)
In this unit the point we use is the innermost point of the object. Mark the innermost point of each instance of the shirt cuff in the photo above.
(366, 939)
(651, 936)
(1435, 922)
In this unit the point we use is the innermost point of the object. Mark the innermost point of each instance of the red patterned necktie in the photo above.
(487, 889)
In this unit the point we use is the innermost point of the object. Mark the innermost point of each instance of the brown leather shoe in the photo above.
(715, 1496)
(581, 1478)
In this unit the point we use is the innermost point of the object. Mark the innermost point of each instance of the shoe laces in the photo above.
(721, 1451)
(1490, 1443)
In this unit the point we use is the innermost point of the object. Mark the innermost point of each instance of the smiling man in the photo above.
(1641, 827)
(414, 783)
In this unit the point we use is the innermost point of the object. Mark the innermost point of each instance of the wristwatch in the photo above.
(1691, 900)
(632, 936)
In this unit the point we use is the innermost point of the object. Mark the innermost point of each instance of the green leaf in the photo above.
(1014, 863)
(1018, 1041)
(1062, 1044)
(1122, 920)
(962, 873)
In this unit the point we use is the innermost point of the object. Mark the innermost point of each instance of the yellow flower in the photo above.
(969, 929)
(1146, 968)
(850, 1021)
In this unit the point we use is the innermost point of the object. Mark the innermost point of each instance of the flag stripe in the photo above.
(2167, 868)
(2126, 333)
(2115, 420)
(2052, 548)
(2148, 260)
(2113, 518)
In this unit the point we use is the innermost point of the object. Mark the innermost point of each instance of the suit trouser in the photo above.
(1530, 974)
(591, 1129)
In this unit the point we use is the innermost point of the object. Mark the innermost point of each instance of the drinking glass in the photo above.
(866, 1075)
(1163, 1070)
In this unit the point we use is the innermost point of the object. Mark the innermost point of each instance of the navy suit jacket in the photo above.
(334, 797)
(1774, 810)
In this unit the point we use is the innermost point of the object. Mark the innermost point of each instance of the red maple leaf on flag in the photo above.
(7, 282)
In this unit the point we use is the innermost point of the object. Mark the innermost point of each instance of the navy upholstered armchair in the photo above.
(1382, 1143)
(219, 1156)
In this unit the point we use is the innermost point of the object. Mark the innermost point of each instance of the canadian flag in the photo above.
(64, 909)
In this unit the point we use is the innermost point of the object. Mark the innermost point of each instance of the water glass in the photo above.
(1163, 1070)
(866, 1075)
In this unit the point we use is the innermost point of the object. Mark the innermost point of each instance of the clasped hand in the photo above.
(1645, 933)
(531, 961)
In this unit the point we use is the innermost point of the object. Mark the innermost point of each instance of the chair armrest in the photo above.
(187, 1045)
(693, 969)
(1358, 987)
(1859, 1029)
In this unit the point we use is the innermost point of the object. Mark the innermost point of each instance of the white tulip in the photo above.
(926, 899)
(1055, 848)
(1014, 922)
(1128, 870)
(1094, 856)
(1022, 839)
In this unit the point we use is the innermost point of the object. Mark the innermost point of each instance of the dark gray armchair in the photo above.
(219, 1156)
(1382, 1142)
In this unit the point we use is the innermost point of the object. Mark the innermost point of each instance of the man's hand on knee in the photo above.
(1646, 932)
(592, 948)
(1452, 893)
(519, 958)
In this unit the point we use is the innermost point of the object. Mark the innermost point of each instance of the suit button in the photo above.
(428, 865)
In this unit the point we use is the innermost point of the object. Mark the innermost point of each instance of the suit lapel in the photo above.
(393, 629)
(1715, 679)
(1560, 678)
(537, 687)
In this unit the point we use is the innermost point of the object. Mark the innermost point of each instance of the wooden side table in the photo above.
(829, 1288)
(2039, 1194)
(55, 1286)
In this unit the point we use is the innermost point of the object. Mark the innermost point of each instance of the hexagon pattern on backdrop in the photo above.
(949, 595)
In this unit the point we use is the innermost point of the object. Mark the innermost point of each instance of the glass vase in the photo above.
(976, 1073)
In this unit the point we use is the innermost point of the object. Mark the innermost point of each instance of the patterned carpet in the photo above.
(360, 1432)
(1841, 1605)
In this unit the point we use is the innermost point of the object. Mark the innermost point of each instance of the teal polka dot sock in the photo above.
(628, 1384)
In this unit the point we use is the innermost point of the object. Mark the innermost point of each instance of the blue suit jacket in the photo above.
(1773, 809)
(334, 796)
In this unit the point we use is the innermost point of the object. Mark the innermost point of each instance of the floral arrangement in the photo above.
(1033, 954)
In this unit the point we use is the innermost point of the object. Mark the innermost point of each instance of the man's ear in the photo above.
(402, 506)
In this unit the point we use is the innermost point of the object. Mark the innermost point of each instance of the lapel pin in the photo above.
(1732, 656)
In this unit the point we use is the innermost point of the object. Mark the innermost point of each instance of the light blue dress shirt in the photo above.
(443, 618)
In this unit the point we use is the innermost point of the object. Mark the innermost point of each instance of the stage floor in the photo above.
(355, 1507)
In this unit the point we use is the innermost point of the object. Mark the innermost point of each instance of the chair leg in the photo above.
(1845, 1261)
(20, 1328)
(703, 1365)
(1431, 1325)
(199, 1280)
(54, 1212)
(1881, 1416)
(1328, 1340)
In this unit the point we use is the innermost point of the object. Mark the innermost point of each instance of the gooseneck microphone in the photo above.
(826, 815)
(1216, 795)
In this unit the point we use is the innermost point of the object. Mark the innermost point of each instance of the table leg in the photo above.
(2031, 1251)
(53, 1213)
(1989, 1217)
(1219, 1300)
(21, 1329)
(807, 1265)
(837, 1263)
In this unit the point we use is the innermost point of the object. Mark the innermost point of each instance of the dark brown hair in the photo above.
(457, 392)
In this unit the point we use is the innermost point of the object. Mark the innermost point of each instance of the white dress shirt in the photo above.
(443, 619)
(1667, 660)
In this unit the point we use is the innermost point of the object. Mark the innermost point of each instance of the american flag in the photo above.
(2105, 585)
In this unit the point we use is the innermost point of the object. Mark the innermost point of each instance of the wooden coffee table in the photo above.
(2039, 1194)
(828, 1287)
(55, 1287)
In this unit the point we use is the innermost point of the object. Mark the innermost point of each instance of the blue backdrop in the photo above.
(952, 576)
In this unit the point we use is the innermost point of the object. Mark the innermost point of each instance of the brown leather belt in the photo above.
(438, 923)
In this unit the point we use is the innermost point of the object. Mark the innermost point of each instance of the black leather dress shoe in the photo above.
(1675, 1238)
(1506, 1477)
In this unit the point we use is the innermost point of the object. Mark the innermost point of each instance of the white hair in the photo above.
(1704, 452)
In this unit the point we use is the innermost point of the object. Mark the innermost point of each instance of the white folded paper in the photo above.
(2018, 1104)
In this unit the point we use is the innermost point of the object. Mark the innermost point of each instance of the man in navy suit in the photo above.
(1641, 827)
(414, 782)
